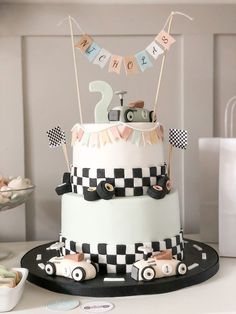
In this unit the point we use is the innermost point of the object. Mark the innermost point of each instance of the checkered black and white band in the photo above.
(127, 182)
(119, 258)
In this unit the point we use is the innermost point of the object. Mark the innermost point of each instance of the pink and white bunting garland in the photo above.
(116, 133)
(132, 64)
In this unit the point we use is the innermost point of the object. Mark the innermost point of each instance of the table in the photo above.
(217, 295)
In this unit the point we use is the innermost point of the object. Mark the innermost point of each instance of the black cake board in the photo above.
(97, 287)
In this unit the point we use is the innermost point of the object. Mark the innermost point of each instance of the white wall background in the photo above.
(37, 91)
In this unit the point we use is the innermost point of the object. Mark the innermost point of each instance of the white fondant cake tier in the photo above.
(120, 220)
(120, 153)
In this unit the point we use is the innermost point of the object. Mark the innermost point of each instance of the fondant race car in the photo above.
(127, 114)
(130, 114)
(157, 267)
(71, 266)
(134, 112)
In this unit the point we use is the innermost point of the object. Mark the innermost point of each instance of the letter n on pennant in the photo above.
(115, 64)
(84, 42)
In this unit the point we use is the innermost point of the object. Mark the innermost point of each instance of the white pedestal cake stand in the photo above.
(11, 199)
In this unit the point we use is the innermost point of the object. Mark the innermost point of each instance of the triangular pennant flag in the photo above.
(135, 137)
(126, 132)
(85, 139)
(104, 137)
(94, 140)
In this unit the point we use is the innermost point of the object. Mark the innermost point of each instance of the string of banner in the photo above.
(133, 64)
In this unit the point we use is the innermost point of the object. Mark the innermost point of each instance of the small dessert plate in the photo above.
(9, 297)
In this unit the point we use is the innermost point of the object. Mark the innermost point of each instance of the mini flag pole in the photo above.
(169, 168)
(56, 138)
(169, 22)
(177, 138)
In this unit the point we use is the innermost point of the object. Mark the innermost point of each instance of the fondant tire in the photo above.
(156, 191)
(105, 190)
(90, 194)
(164, 182)
(152, 116)
(148, 273)
(129, 115)
(50, 269)
(63, 188)
(66, 177)
(78, 274)
(181, 269)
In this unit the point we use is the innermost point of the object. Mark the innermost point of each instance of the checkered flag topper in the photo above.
(56, 137)
(178, 138)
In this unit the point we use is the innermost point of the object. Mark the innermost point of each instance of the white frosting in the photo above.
(120, 154)
(120, 220)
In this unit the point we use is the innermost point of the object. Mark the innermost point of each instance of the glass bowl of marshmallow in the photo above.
(14, 192)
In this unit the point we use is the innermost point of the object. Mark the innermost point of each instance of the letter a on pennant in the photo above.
(84, 42)
(154, 50)
(165, 39)
(131, 66)
(115, 64)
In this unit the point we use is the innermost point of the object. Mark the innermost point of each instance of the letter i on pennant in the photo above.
(130, 64)
(84, 42)
(92, 51)
(115, 64)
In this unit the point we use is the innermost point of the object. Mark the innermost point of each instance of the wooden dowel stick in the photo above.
(75, 68)
(66, 156)
(170, 155)
(162, 67)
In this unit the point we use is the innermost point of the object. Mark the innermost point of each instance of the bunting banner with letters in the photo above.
(139, 62)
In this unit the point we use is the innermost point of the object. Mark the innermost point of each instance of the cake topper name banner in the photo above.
(132, 64)
(56, 138)
(116, 133)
